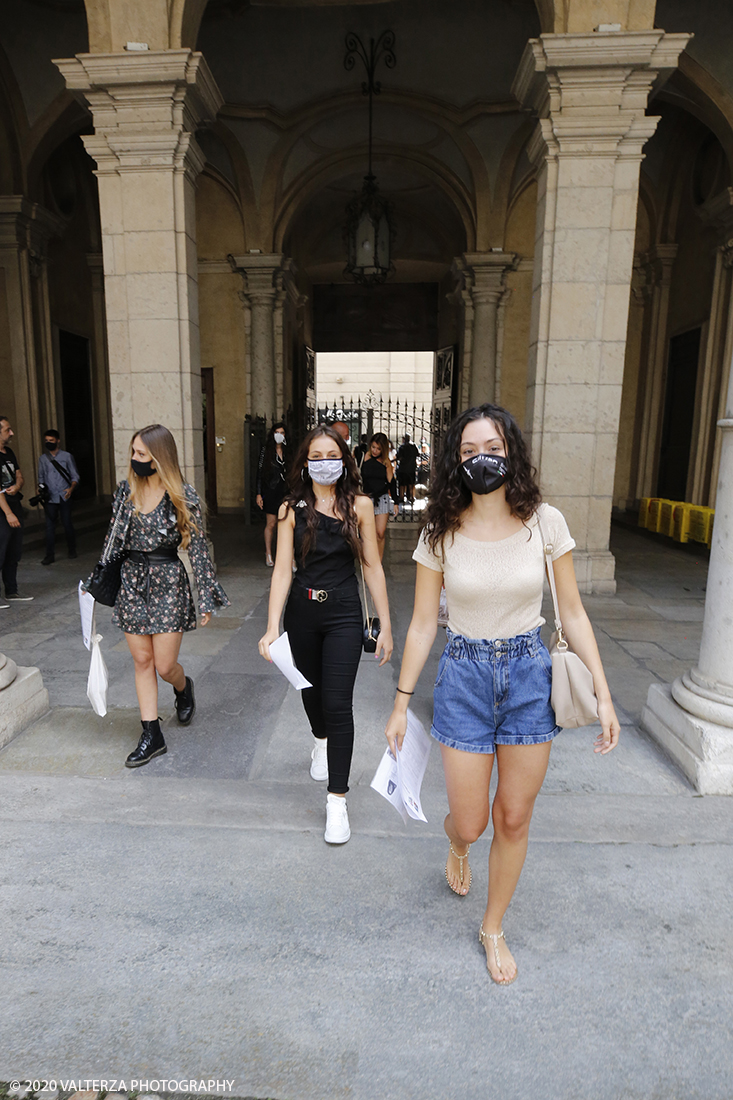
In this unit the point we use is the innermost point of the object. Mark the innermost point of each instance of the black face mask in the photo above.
(484, 473)
(142, 469)
(51, 446)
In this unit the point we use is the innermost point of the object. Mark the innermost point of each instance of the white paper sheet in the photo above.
(282, 657)
(399, 779)
(86, 610)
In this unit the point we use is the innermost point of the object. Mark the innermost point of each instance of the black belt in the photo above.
(323, 594)
(159, 556)
(162, 555)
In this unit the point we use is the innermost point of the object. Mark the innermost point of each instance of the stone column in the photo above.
(104, 456)
(146, 107)
(263, 274)
(717, 353)
(41, 228)
(693, 719)
(25, 229)
(657, 266)
(590, 92)
(481, 286)
(289, 303)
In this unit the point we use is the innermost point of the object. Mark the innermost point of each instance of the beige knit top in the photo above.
(494, 589)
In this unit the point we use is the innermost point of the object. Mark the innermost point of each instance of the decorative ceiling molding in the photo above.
(342, 101)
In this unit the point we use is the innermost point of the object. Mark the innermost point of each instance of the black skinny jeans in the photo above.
(62, 508)
(11, 547)
(326, 641)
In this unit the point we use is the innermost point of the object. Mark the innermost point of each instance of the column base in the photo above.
(402, 538)
(703, 750)
(595, 571)
(22, 703)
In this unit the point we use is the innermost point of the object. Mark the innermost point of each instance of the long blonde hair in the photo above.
(163, 451)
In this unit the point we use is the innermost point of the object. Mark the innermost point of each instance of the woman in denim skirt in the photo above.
(482, 540)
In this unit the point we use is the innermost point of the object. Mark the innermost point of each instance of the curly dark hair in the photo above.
(449, 497)
(347, 490)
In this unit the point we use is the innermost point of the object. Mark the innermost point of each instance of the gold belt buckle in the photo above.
(320, 594)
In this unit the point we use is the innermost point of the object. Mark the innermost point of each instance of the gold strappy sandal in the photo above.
(460, 859)
(494, 937)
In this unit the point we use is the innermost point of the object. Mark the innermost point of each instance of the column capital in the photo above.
(146, 107)
(25, 224)
(480, 276)
(717, 212)
(657, 265)
(287, 280)
(263, 274)
(590, 91)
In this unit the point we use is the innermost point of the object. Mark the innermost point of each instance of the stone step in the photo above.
(22, 703)
(89, 517)
(402, 540)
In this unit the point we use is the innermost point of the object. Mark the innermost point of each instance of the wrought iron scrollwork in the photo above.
(381, 50)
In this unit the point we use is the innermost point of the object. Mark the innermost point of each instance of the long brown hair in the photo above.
(163, 450)
(347, 490)
(449, 497)
(381, 439)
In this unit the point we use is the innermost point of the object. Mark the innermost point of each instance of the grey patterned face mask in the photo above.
(325, 471)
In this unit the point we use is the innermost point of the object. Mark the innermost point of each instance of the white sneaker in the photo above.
(319, 759)
(337, 820)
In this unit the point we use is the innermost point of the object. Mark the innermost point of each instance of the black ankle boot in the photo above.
(185, 703)
(151, 744)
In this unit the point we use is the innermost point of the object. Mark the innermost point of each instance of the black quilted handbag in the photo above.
(372, 625)
(105, 581)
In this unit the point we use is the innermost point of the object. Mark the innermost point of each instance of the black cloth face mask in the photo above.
(484, 473)
(142, 469)
(51, 446)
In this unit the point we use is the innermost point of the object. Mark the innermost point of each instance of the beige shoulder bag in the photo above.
(573, 695)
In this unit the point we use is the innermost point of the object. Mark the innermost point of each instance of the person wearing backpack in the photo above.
(58, 476)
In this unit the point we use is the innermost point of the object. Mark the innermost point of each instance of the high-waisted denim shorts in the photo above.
(493, 692)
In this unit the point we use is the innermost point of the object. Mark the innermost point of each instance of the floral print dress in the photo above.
(156, 599)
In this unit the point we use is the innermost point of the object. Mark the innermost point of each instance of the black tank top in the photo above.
(330, 562)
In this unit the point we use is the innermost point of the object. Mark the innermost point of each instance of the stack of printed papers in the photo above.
(399, 779)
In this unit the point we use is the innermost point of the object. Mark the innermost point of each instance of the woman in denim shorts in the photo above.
(482, 540)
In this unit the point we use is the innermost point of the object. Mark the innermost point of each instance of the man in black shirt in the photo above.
(407, 457)
(360, 450)
(11, 517)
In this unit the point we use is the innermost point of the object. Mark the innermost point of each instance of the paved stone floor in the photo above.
(187, 920)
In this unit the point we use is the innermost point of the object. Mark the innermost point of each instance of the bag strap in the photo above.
(113, 533)
(547, 549)
(369, 617)
(61, 469)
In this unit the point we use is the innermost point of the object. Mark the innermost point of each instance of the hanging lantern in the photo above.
(369, 228)
(368, 236)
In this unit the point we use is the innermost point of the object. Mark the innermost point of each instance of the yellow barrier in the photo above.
(644, 510)
(666, 517)
(677, 519)
(701, 523)
(655, 513)
(681, 522)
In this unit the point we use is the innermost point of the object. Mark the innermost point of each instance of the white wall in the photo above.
(401, 375)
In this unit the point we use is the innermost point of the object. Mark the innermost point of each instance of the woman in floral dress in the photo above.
(153, 514)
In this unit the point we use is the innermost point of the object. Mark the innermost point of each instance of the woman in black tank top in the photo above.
(327, 524)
